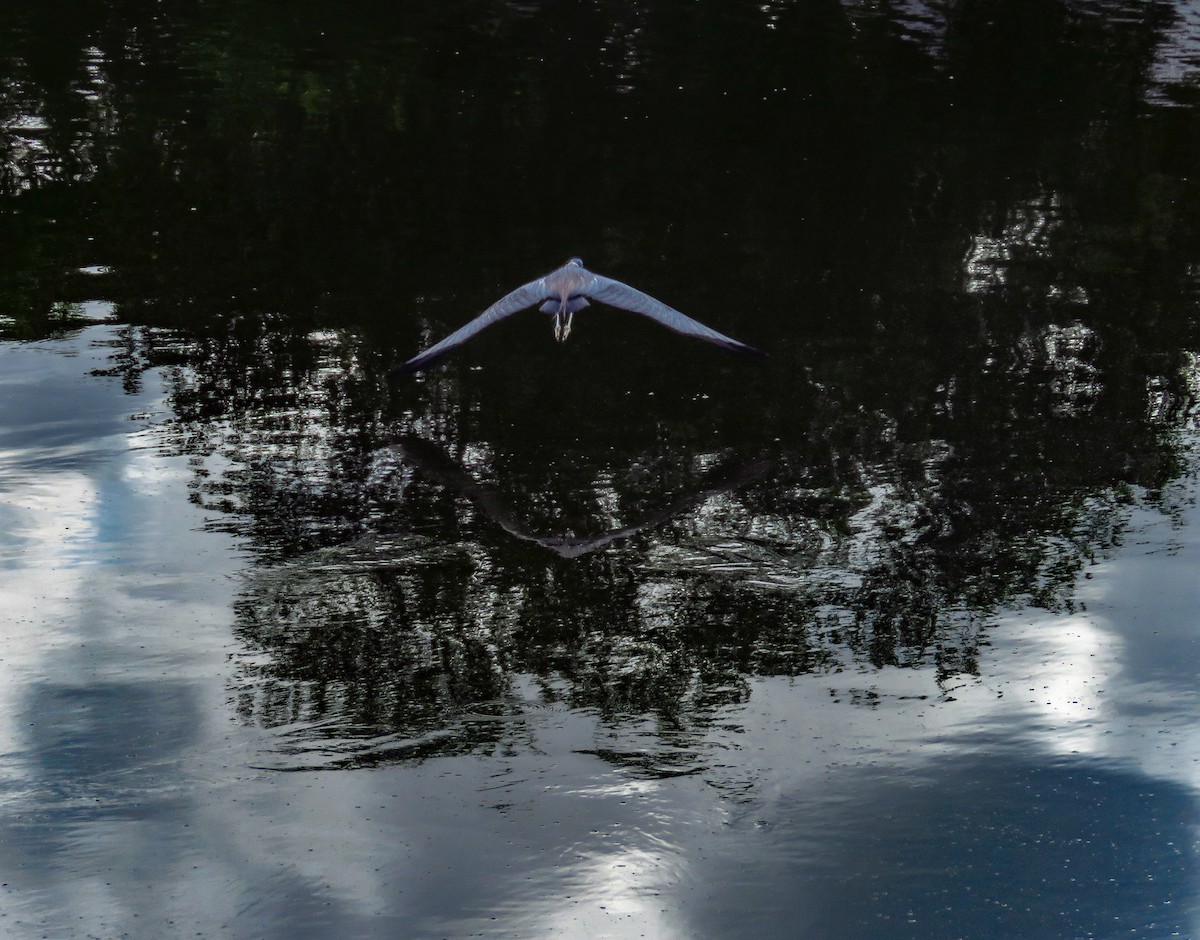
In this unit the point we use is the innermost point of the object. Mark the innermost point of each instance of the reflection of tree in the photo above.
(423, 609)
(967, 239)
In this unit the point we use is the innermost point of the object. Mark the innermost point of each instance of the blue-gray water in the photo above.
(893, 634)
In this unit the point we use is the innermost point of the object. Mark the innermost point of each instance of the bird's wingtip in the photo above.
(748, 351)
(411, 367)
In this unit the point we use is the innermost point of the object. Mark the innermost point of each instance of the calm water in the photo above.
(894, 634)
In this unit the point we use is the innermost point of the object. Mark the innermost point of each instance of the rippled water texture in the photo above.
(890, 635)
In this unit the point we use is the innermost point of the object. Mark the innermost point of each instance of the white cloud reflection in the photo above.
(46, 525)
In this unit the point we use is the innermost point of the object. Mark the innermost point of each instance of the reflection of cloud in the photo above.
(106, 667)
(1063, 670)
(46, 525)
(621, 893)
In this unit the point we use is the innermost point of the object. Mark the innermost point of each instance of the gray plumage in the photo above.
(564, 292)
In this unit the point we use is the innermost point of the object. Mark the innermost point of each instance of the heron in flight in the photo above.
(565, 292)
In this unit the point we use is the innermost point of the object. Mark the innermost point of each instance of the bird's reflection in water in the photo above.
(359, 655)
(435, 463)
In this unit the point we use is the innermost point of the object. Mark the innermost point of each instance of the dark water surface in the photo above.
(895, 634)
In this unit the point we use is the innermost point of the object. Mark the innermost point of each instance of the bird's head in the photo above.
(578, 262)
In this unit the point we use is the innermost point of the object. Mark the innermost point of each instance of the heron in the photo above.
(563, 293)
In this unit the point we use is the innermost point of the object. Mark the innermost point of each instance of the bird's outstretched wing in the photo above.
(525, 296)
(617, 294)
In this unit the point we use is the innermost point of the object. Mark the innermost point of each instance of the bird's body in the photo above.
(563, 293)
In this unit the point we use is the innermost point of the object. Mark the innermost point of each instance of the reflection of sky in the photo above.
(107, 587)
(1056, 791)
